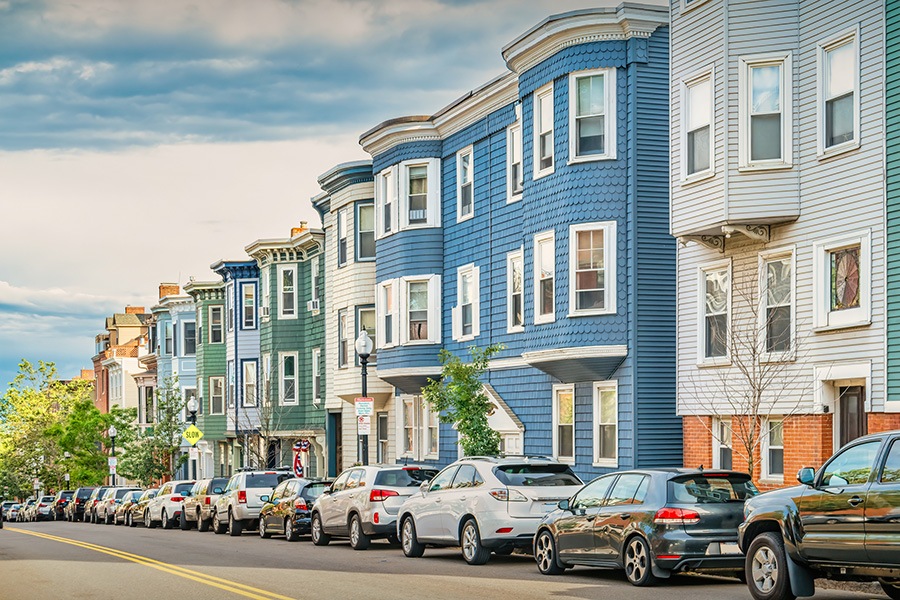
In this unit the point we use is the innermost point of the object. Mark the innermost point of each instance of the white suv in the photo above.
(165, 508)
(484, 504)
(239, 505)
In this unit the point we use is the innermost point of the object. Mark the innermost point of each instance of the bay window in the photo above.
(544, 277)
(592, 260)
(838, 74)
(543, 131)
(564, 423)
(515, 274)
(765, 105)
(592, 115)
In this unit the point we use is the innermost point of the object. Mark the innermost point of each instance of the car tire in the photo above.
(183, 523)
(638, 562)
(409, 543)
(148, 521)
(545, 554)
(358, 538)
(235, 526)
(264, 532)
(766, 568)
(202, 524)
(218, 528)
(317, 532)
(290, 534)
(166, 521)
(891, 588)
(470, 542)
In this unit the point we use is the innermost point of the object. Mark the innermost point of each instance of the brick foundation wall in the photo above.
(697, 441)
(879, 422)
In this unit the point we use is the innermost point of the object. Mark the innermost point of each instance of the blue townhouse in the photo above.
(533, 212)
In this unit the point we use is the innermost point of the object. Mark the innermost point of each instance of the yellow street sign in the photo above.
(192, 434)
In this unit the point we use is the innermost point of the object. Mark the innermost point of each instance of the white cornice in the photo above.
(398, 131)
(477, 104)
(557, 354)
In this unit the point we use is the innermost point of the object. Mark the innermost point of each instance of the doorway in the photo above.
(852, 418)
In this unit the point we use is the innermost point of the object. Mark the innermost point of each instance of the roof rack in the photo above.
(503, 455)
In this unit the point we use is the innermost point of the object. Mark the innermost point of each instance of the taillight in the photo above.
(676, 516)
(301, 503)
(242, 496)
(176, 499)
(508, 495)
(206, 500)
(377, 495)
(41, 505)
(375, 518)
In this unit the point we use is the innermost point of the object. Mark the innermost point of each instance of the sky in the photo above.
(142, 140)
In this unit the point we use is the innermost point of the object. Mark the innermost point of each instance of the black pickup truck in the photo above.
(842, 522)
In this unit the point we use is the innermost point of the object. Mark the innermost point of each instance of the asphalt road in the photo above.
(78, 560)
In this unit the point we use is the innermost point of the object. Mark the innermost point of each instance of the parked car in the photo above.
(137, 511)
(4, 509)
(649, 522)
(26, 510)
(165, 508)
(238, 506)
(13, 513)
(842, 522)
(484, 505)
(363, 503)
(287, 511)
(60, 501)
(106, 508)
(197, 508)
(90, 507)
(123, 508)
(43, 509)
(75, 507)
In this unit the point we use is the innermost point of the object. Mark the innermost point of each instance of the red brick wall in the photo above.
(134, 310)
(697, 441)
(879, 422)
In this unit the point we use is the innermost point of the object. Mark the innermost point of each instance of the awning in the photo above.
(411, 380)
(572, 365)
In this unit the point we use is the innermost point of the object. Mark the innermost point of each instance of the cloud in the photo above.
(53, 302)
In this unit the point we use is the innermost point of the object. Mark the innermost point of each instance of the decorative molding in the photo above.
(713, 242)
(402, 130)
(758, 233)
(558, 354)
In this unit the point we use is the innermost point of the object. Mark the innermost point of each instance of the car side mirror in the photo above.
(264, 498)
(326, 492)
(423, 487)
(217, 490)
(806, 476)
(563, 504)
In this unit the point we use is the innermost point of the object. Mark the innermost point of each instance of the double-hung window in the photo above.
(838, 74)
(317, 375)
(714, 294)
(465, 188)
(843, 279)
(365, 231)
(387, 329)
(344, 339)
(592, 122)
(229, 306)
(342, 224)
(765, 105)
(288, 384)
(419, 190)
(417, 313)
(265, 293)
(250, 383)
(543, 131)
(721, 438)
(314, 266)
(773, 449)
(515, 307)
(697, 141)
(544, 277)
(216, 395)
(514, 178)
(421, 309)
(418, 429)
(248, 305)
(230, 374)
(287, 292)
(215, 325)
(606, 427)
(592, 259)
(386, 201)
(466, 313)
(168, 338)
(777, 291)
(564, 423)
(417, 194)
(365, 320)
(190, 338)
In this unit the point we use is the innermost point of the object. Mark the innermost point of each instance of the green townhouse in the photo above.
(214, 455)
(892, 200)
(292, 345)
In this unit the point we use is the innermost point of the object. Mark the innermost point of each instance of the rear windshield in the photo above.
(536, 475)
(711, 488)
(266, 480)
(66, 495)
(404, 477)
(182, 488)
(216, 483)
(121, 493)
(314, 490)
(46, 498)
(85, 493)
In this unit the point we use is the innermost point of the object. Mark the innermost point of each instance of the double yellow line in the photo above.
(216, 582)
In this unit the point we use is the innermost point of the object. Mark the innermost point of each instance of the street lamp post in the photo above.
(364, 348)
(67, 477)
(112, 438)
(192, 407)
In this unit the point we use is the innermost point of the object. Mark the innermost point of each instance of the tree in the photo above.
(459, 397)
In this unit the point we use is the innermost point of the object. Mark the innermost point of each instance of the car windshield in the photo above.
(711, 488)
(314, 490)
(536, 475)
(405, 477)
(266, 480)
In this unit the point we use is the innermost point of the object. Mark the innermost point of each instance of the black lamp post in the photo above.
(112, 438)
(364, 348)
(192, 407)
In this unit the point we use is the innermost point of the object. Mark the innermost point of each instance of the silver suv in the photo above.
(197, 508)
(238, 506)
(362, 503)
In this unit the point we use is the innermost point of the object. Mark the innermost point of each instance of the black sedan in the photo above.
(287, 510)
(650, 523)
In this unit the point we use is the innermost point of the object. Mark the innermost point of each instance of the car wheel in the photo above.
(472, 550)
(290, 534)
(183, 523)
(408, 541)
(264, 532)
(148, 520)
(235, 526)
(638, 563)
(545, 554)
(319, 537)
(891, 588)
(202, 524)
(358, 538)
(218, 528)
(766, 568)
(166, 521)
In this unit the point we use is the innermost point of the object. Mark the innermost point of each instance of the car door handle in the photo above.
(437, 500)
(462, 498)
(590, 517)
(854, 501)
(625, 516)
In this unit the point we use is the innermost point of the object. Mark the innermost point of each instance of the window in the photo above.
(852, 466)
(265, 292)
(765, 125)
(343, 339)
(215, 325)
(722, 451)
(432, 432)
(386, 201)
(365, 319)
(317, 375)
(229, 306)
(465, 203)
(420, 184)
(890, 473)
(190, 338)
(592, 113)
(421, 309)
(287, 291)
(592, 259)
(365, 231)
(314, 278)
(630, 488)
(466, 312)
(544, 276)
(515, 320)
(266, 379)
(564, 423)
(593, 494)
(230, 374)
(838, 75)
(777, 290)
(514, 176)
(248, 306)
(216, 395)
(342, 237)
(773, 449)
(606, 428)
(715, 299)
(697, 120)
(408, 425)
(543, 131)
(288, 389)
(842, 288)
(387, 330)
(149, 410)
(381, 453)
(418, 429)
(250, 383)
(417, 295)
(169, 341)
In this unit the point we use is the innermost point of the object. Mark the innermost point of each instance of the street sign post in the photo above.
(363, 425)
(192, 434)
(365, 406)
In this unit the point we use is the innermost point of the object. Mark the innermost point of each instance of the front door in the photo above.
(575, 530)
(625, 500)
(430, 514)
(883, 511)
(852, 413)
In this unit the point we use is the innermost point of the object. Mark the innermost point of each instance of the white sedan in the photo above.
(165, 508)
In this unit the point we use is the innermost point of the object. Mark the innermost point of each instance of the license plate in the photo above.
(731, 548)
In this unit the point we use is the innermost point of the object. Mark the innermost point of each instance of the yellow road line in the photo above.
(217, 582)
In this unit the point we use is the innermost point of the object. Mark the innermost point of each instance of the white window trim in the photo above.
(346, 330)
(264, 295)
(339, 223)
(555, 418)
(211, 395)
(601, 386)
(719, 361)
(745, 63)
(686, 83)
(244, 364)
(380, 192)
(434, 309)
(209, 321)
(510, 196)
(764, 474)
(609, 121)
(433, 205)
(718, 444)
(427, 454)
(824, 319)
(764, 257)
(316, 375)
(456, 312)
(400, 424)
(231, 385)
(847, 36)
(609, 259)
(540, 237)
(230, 312)
(244, 306)
(467, 151)
(315, 266)
(539, 93)
(281, 399)
(357, 233)
(380, 314)
(687, 5)
(510, 257)
(265, 375)
(280, 287)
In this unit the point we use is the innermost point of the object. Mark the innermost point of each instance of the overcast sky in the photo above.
(142, 140)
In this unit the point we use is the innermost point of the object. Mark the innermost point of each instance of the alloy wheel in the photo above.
(636, 560)
(764, 569)
(545, 554)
